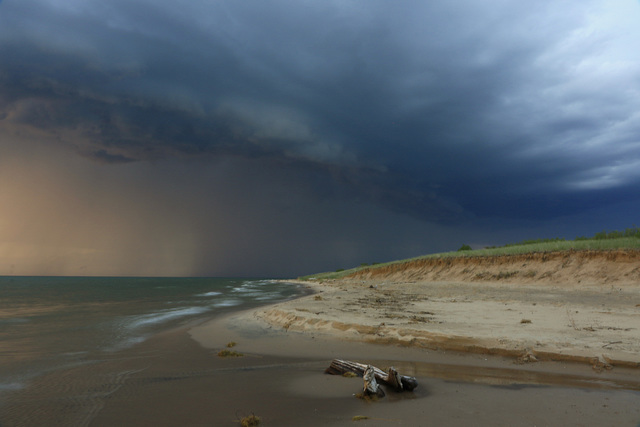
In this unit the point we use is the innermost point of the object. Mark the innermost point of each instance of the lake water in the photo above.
(57, 323)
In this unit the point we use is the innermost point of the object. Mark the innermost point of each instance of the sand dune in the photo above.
(573, 306)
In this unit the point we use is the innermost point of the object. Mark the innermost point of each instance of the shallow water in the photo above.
(58, 323)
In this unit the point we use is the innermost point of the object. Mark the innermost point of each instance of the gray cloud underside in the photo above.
(443, 111)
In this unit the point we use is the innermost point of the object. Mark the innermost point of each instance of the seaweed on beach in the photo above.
(229, 353)
(250, 421)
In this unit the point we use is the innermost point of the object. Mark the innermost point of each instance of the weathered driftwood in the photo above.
(371, 387)
(390, 378)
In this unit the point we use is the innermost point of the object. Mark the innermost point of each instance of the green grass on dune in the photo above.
(549, 245)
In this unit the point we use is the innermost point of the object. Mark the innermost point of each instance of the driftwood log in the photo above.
(390, 378)
(371, 387)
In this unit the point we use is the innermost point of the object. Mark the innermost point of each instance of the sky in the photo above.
(278, 138)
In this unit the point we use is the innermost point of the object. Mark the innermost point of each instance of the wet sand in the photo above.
(455, 388)
(534, 339)
(176, 378)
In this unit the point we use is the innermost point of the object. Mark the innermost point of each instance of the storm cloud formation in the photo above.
(450, 115)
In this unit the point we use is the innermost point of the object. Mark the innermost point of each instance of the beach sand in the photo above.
(569, 306)
(540, 339)
(464, 341)
(455, 388)
(176, 378)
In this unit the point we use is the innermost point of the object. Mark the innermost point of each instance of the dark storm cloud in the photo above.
(443, 111)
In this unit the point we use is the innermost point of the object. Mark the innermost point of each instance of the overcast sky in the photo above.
(277, 138)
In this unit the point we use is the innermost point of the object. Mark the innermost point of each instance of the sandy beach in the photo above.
(552, 338)
(492, 342)
(575, 306)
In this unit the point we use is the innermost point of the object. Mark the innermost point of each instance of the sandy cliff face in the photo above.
(581, 306)
(616, 267)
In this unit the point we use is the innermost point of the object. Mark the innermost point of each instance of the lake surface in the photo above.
(57, 323)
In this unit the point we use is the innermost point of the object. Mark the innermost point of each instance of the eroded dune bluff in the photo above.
(579, 306)
(617, 267)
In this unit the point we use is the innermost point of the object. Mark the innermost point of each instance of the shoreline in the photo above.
(455, 388)
(260, 338)
(176, 377)
(521, 318)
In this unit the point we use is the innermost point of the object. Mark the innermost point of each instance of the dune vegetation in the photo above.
(604, 240)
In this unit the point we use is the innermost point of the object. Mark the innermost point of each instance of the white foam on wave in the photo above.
(243, 289)
(126, 337)
(268, 296)
(259, 282)
(227, 303)
(250, 294)
(251, 287)
(209, 294)
(164, 316)
(258, 290)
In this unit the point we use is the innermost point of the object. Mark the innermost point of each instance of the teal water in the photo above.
(50, 323)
